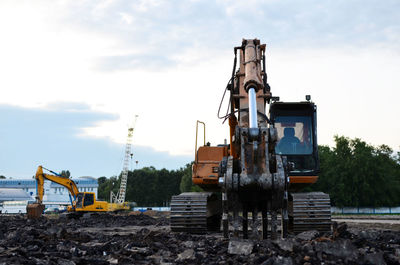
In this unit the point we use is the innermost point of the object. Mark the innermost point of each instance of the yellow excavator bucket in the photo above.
(34, 210)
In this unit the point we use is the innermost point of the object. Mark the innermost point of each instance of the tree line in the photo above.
(147, 186)
(357, 174)
(352, 172)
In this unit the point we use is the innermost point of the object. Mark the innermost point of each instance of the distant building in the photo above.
(13, 195)
(13, 200)
(54, 194)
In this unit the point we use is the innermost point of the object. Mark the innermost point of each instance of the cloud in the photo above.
(67, 106)
(162, 30)
(32, 137)
(134, 61)
(151, 34)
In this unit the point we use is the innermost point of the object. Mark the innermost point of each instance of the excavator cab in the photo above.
(297, 136)
(86, 201)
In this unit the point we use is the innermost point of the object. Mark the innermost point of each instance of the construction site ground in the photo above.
(137, 238)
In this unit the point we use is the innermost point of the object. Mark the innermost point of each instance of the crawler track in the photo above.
(310, 211)
(189, 212)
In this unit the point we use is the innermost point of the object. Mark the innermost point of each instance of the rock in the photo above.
(369, 235)
(240, 247)
(32, 248)
(340, 230)
(87, 215)
(13, 235)
(279, 260)
(61, 232)
(93, 244)
(112, 260)
(308, 235)
(341, 249)
(40, 262)
(77, 252)
(144, 251)
(284, 261)
(165, 253)
(374, 258)
(392, 259)
(155, 258)
(65, 262)
(188, 244)
(284, 244)
(158, 245)
(62, 247)
(63, 215)
(188, 254)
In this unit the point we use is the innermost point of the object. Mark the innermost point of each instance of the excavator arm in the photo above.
(56, 178)
(35, 210)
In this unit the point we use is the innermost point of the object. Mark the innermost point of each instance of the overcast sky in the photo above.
(74, 73)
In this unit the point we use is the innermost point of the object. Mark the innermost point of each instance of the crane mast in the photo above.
(120, 196)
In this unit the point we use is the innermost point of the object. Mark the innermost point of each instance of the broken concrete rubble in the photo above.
(139, 239)
(240, 247)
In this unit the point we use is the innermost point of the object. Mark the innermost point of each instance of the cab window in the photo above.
(294, 135)
(89, 199)
(79, 200)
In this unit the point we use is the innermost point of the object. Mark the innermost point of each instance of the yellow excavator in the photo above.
(80, 201)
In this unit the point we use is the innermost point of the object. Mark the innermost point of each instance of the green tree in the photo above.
(65, 173)
(355, 173)
(151, 187)
(106, 186)
(2, 177)
(186, 182)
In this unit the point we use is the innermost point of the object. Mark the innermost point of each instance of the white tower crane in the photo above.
(120, 196)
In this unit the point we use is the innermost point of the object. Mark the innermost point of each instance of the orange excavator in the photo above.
(270, 157)
(80, 201)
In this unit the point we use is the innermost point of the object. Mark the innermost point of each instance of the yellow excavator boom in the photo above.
(63, 181)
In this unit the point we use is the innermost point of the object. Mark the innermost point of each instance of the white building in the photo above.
(13, 200)
(54, 194)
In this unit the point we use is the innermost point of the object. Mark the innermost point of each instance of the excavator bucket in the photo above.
(34, 210)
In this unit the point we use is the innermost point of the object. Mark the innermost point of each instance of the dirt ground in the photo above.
(143, 239)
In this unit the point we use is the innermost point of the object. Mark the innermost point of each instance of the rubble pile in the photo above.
(67, 241)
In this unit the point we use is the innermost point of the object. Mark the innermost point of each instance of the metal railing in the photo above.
(365, 210)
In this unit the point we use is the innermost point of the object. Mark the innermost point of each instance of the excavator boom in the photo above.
(56, 178)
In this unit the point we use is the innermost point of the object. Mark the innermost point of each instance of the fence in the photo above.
(365, 210)
(143, 209)
(334, 210)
